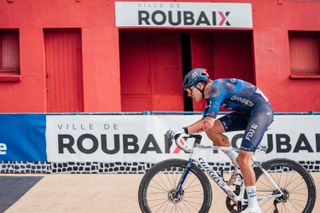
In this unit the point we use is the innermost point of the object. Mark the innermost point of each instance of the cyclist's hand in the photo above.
(172, 134)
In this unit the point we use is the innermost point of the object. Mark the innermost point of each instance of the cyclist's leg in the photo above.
(216, 136)
(258, 122)
(230, 122)
(244, 161)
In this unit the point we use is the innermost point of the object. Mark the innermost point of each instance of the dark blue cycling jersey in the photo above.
(234, 94)
(252, 113)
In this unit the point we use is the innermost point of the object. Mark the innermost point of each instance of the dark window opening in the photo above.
(304, 53)
(9, 52)
(186, 66)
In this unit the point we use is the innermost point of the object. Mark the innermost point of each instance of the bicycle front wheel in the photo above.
(158, 186)
(294, 181)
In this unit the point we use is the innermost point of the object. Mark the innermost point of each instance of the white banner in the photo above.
(137, 138)
(183, 14)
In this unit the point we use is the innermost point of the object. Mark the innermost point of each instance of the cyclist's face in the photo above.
(194, 93)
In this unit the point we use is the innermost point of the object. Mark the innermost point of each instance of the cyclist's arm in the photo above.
(201, 125)
(211, 111)
(217, 95)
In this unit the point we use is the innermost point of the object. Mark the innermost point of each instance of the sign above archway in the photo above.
(183, 15)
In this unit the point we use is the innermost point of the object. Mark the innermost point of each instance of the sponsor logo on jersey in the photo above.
(244, 101)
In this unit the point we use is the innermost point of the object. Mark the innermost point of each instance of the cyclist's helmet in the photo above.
(195, 76)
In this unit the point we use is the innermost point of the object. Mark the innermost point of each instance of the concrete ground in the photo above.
(94, 193)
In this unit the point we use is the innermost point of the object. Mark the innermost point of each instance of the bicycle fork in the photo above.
(185, 173)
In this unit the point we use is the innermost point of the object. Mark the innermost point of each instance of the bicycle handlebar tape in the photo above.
(176, 136)
(185, 129)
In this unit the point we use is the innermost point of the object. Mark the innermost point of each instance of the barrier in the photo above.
(133, 142)
(22, 137)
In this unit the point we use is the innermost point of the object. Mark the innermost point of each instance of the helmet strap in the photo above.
(202, 90)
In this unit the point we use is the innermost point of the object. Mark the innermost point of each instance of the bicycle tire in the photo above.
(159, 172)
(292, 178)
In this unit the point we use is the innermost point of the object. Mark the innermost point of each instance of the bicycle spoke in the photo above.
(170, 180)
(172, 207)
(295, 205)
(279, 174)
(192, 204)
(165, 206)
(176, 178)
(186, 206)
(283, 208)
(267, 206)
(193, 186)
(296, 190)
(181, 209)
(195, 191)
(297, 193)
(159, 204)
(295, 187)
(188, 182)
(262, 203)
(162, 186)
(292, 182)
(158, 188)
(297, 200)
(164, 182)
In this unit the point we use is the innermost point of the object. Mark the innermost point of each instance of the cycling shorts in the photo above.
(254, 122)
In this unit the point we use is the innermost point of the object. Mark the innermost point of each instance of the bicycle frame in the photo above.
(195, 158)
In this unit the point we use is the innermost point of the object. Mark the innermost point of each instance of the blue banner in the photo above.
(22, 137)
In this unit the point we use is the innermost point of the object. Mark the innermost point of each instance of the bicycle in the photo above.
(178, 185)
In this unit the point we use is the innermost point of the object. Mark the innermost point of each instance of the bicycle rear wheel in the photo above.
(293, 179)
(158, 186)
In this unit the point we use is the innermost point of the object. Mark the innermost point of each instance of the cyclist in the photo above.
(251, 112)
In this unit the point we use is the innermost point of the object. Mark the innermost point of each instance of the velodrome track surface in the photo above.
(95, 193)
